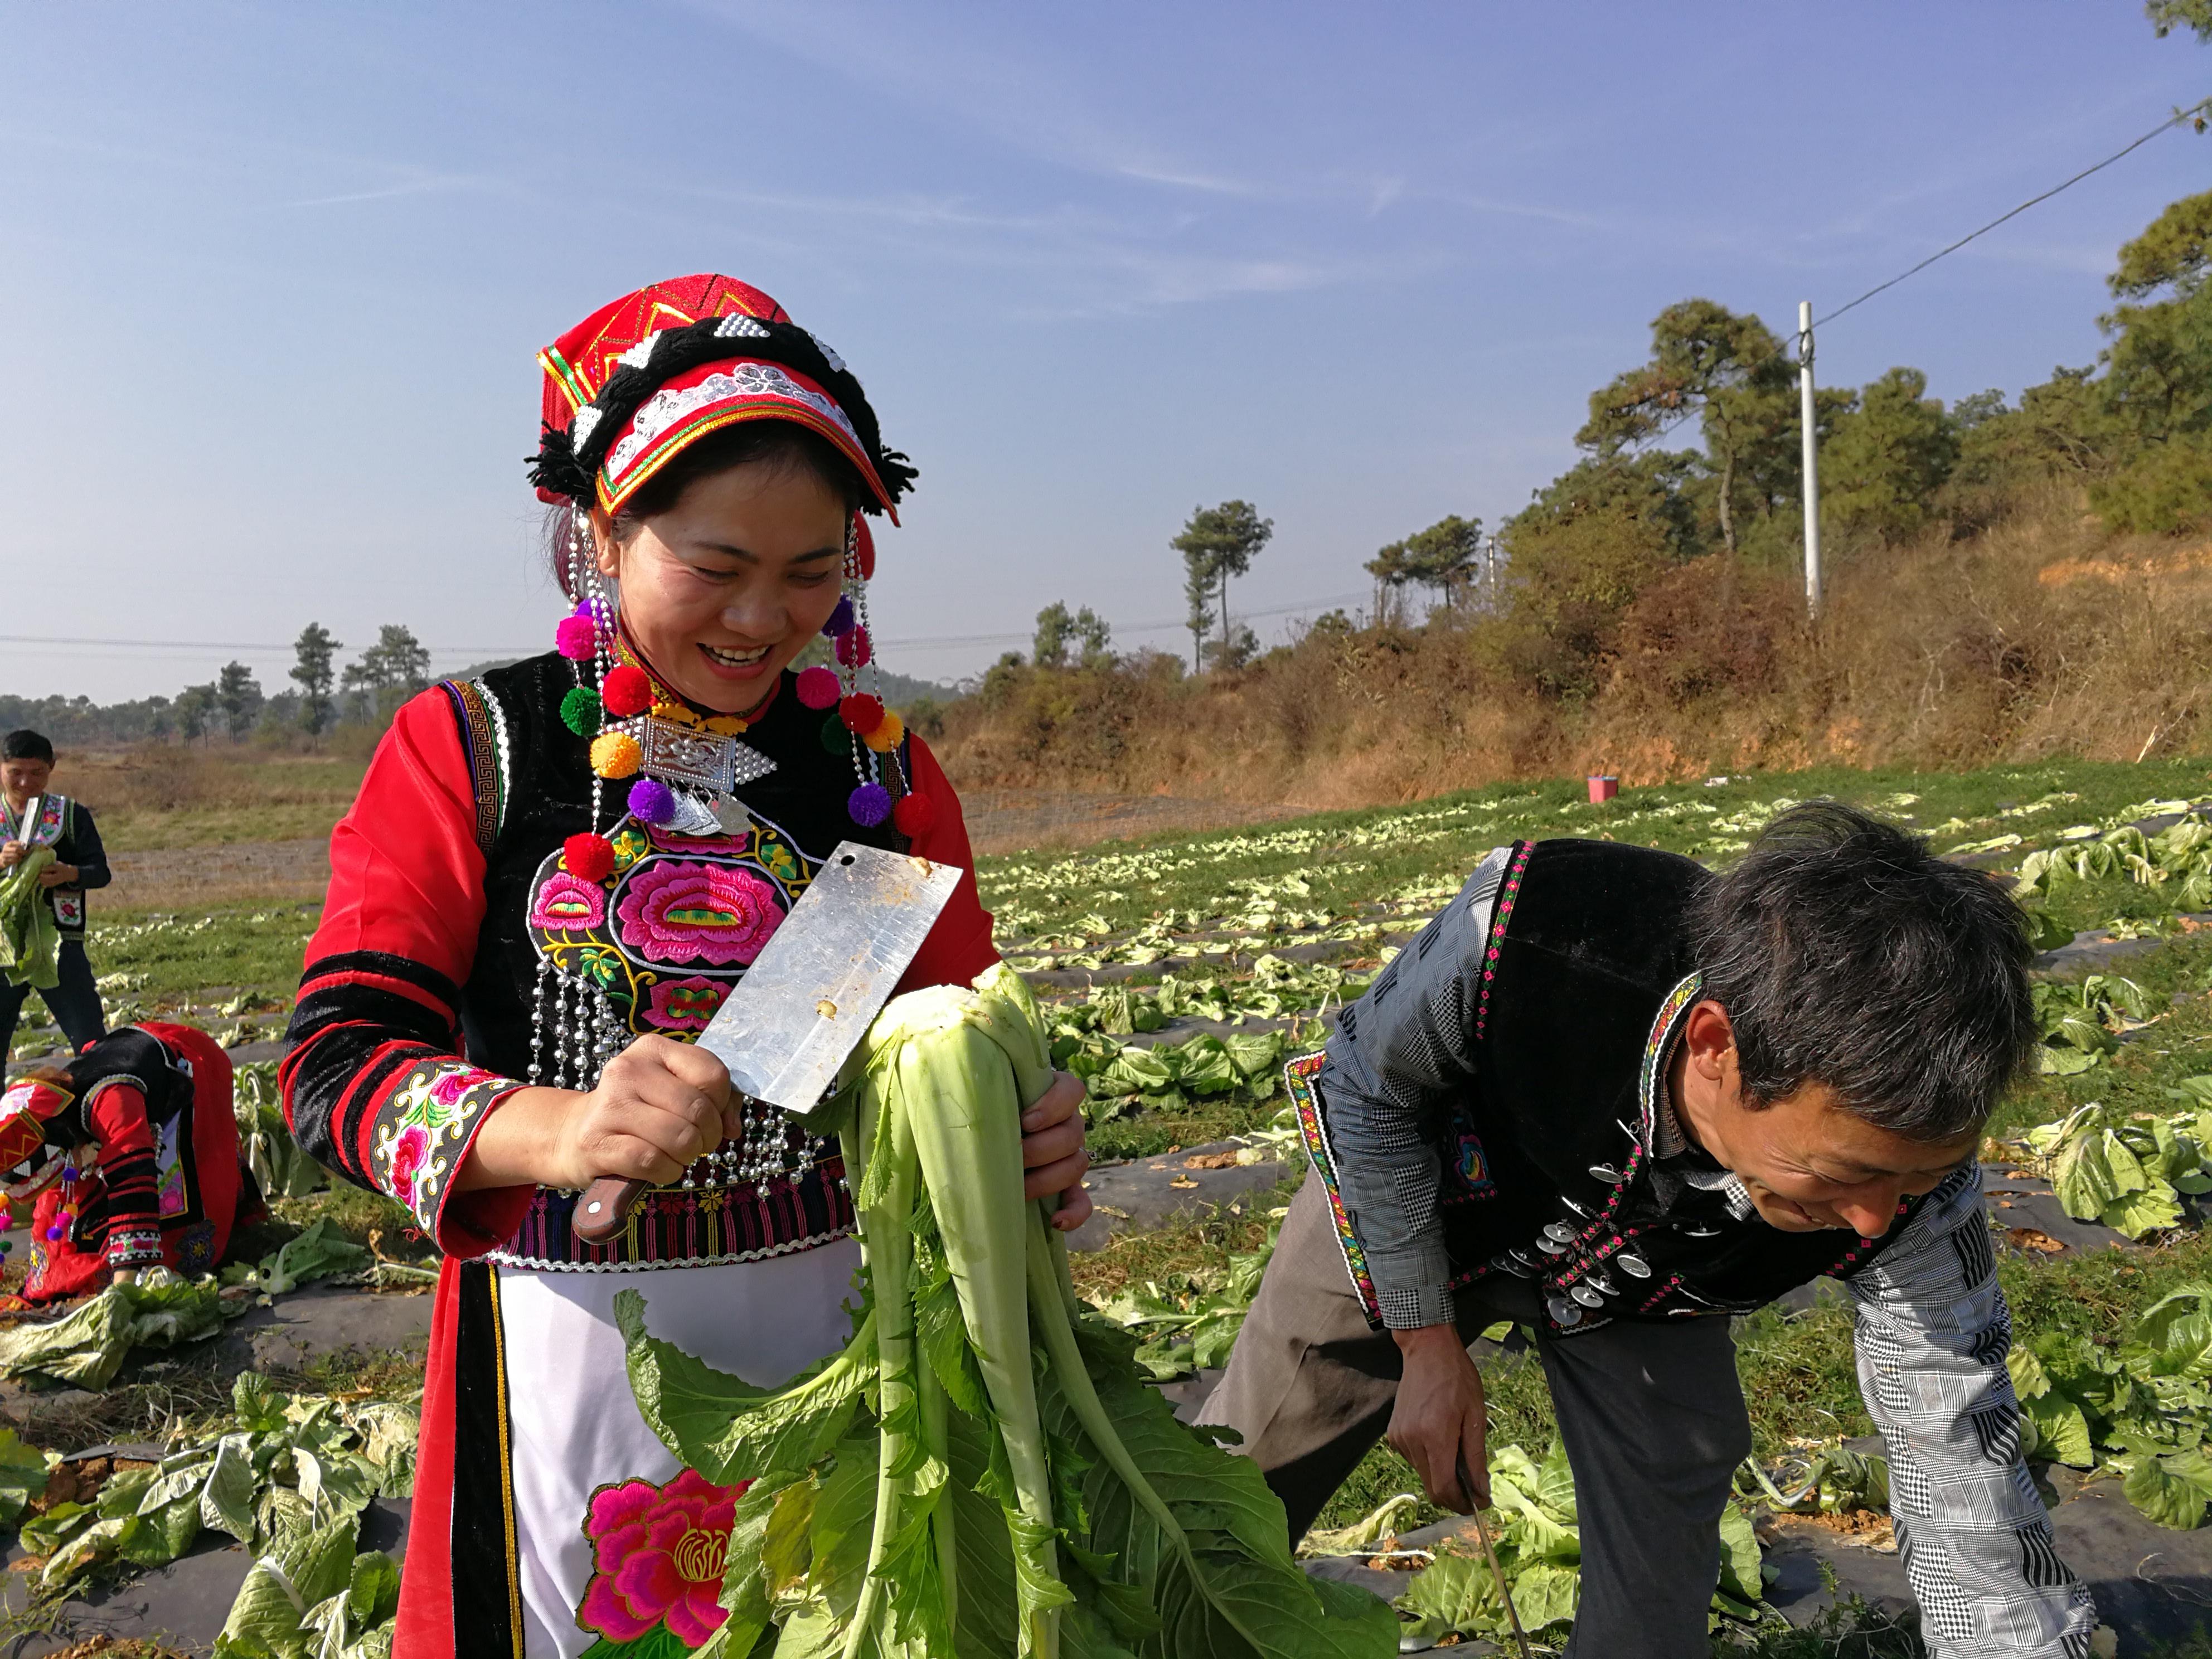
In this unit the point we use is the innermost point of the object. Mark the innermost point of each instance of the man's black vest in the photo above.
(1548, 1172)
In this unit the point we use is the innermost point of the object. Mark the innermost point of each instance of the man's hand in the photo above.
(1053, 1153)
(55, 875)
(1438, 1424)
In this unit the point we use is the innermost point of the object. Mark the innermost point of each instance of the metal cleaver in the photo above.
(802, 1006)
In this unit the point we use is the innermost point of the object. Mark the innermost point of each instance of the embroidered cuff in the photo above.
(424, 1128)
(134, 1247)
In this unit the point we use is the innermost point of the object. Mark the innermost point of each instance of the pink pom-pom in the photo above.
(854, 649)
(652, 801)
(818, 687)
(626, 690)
(915, 815)
(576, 639)
(869, 805)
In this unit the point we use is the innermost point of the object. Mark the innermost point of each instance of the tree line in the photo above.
(233, 705)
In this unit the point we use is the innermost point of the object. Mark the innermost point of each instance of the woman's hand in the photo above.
(11, 853)
(1052, 1150)
(660, 1104)
(55, 875)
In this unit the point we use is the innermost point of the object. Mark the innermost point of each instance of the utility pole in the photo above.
(1491, 549)
(1812, 459)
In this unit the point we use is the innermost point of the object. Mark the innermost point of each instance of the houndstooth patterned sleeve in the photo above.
(1933, 1332)
(1400, 1056)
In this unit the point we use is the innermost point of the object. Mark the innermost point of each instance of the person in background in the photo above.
(129, 1157)
(32, 815)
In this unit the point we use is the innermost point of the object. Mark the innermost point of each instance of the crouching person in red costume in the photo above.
(131, 1154)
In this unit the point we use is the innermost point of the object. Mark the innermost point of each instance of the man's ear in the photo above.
(1709, 1039)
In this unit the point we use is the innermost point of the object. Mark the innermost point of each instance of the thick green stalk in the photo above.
(968, 1136)
(887, 1229)
(936, 1434)
(1051, 1323)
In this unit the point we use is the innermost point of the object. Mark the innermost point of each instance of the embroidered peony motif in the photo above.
(657, 1557)
(684, 1005)
(424, 1124)
(673, 910)
(566, 903)
(669, 841)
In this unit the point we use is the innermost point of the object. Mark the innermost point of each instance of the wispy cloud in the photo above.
(430, 185)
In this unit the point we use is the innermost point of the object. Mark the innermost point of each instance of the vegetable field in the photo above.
(1176, 976)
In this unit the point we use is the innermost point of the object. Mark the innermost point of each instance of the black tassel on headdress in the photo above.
(566, 467)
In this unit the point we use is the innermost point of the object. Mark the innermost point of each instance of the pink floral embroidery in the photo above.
(657, 1557)
(566, 902)
(685, 1005)
(414, 1144)
(674, 910)
(669, 842)
(451, 1085)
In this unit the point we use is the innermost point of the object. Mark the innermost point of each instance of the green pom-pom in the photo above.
(835, 738)
(580, 711)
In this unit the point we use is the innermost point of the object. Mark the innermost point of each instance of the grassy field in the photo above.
(1254, 932)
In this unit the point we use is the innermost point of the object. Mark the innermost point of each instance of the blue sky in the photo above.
(276, 273)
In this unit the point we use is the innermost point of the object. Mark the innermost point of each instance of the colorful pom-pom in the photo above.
(869, 805)
(915, 815)
(652, 801)
(888, 733)
(576, 639)
(69, 1172)
(6, 1245)
(818, 687)
(56, 1233)
(835, 738)
(589, 857)
(626, 690)
(864, 547)
(854, 649)
(616, 755)
(579, 710)
(842, 619)
(860, 712)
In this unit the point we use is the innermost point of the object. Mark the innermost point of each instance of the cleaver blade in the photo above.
(787, 1028)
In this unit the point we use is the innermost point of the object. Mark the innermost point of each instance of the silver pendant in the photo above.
(700, 760)
(1634, 1266)
(1605, 1173)
(1587, 1297)
(1560, 1230)
(1562, 1311)
(731, 815)
(692, 816)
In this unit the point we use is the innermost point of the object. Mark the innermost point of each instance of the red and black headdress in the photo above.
(641, 379)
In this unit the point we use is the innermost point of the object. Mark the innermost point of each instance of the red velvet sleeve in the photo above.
(375, 1085)
(959, 946)
(118, 1120)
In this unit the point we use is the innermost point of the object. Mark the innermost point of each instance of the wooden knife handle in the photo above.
(605, 1207)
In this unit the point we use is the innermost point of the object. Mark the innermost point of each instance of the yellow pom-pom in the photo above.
(616, 755)
(885, 738)
(728, 726)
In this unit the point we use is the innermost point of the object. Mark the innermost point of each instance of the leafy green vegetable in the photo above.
(982, 1466)
(2127, 1172)
(85, 1346)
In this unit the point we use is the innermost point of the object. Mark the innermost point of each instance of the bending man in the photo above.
(1616, 1099)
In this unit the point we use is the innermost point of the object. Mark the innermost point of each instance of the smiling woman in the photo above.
(554, 876)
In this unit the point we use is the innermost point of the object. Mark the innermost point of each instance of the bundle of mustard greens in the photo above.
(980, 1473)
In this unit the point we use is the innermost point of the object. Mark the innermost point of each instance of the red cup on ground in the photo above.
(1602, 788)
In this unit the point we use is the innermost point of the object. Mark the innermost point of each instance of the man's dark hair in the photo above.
(1847, 954)
(26, 744)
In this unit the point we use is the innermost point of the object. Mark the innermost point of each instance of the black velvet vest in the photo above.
(1548, 1171)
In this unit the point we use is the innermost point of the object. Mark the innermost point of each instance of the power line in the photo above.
(2196, 114)
(194, 647)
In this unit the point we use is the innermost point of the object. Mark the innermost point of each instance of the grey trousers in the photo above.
(1652, 1415)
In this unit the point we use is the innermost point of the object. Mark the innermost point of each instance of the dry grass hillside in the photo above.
(2043, 634)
